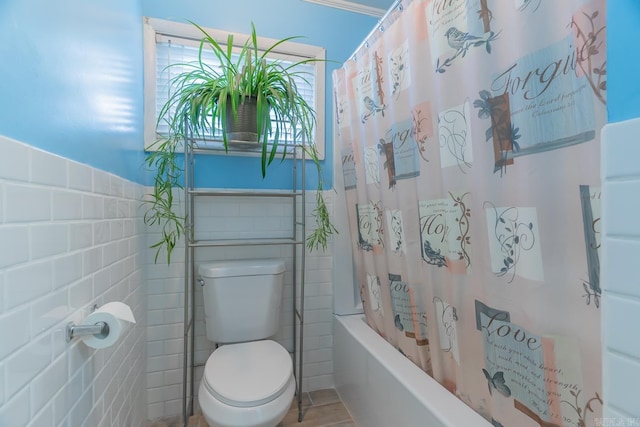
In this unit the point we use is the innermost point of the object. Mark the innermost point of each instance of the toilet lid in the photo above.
(248, 374)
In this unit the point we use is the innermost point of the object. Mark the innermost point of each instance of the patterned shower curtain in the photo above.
(469, 133)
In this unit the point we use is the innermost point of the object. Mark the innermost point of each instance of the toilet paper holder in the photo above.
(100, 329)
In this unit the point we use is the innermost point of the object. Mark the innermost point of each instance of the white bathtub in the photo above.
(382, 388)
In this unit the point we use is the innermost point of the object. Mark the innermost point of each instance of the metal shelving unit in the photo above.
(297, 241)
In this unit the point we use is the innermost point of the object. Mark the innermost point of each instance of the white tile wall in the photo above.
(70, 238)
(235, 217)
(620, 271)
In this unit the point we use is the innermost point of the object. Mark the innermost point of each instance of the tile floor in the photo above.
(321, 408)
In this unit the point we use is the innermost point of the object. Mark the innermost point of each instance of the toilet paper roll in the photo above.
(116, 315)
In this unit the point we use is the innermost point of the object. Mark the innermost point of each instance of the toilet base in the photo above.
(219, 414)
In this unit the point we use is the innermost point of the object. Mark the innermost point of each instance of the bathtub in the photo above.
(382, 388)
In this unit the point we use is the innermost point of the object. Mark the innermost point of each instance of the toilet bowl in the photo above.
(249, 384)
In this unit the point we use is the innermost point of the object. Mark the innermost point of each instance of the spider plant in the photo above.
(204, 94)
(207, 99)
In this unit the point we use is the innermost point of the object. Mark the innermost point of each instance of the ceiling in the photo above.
(368, 7)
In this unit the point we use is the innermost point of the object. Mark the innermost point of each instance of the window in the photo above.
(168, 42)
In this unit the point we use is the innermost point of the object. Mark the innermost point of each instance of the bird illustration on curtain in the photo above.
(458, 39)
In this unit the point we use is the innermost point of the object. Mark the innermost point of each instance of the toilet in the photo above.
(248, 380)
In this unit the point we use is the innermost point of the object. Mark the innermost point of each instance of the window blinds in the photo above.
(175, 50)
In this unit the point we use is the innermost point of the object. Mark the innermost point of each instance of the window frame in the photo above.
(152, 27)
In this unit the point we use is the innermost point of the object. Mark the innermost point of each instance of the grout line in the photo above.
(621, 295)
(347, 409)
(350, 420)
(622, 412)
(625, 356)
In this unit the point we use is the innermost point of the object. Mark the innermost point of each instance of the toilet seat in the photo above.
(248, 374)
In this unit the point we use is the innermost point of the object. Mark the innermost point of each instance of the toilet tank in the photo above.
(242, 299)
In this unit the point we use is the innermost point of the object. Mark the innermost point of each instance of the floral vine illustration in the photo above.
(589, 44)
(486, 15)
(339, 112)
(462, 42)
(582, 410)
(484, 108)
(370, 163)
(379, 311)
(430, 256)
(447, 318)
(379, 77)
(513, 236)
(370, 105)
(592, 291)
(373, 283)
(396, 229)
(365, 245)
(514, 147)
(419, 136)
(463, 226)
(504, 133)
(386, 149)
(526, 3)
(370, 225)
(398, 61)
(452, 129)
(515, 136)
(422, 319)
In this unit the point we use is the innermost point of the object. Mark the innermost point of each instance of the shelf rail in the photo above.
(296, 241)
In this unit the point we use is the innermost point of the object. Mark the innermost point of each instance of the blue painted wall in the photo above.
(71, 80)
(340, 32)
(623, 61)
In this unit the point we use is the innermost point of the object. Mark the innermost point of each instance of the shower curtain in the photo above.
(469, 133)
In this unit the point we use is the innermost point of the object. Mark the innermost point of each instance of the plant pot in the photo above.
(242, 130)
